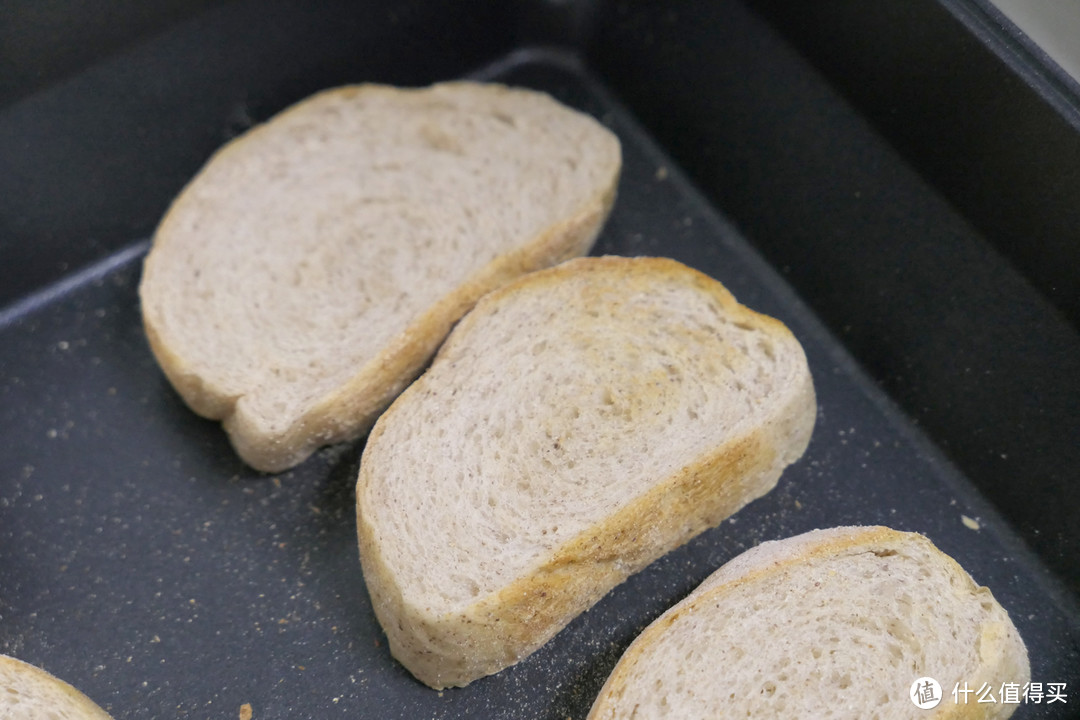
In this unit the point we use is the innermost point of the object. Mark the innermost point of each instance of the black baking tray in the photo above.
(142, 562)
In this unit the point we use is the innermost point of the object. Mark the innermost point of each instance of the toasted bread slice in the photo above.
(29, 693)
(309, 271)
(837, 623)
(577, 424)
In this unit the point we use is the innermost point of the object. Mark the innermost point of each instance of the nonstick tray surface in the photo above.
(146, 565)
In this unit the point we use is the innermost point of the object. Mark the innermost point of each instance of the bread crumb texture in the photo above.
(311, 268)
(30, 693)
(830, 624)
(577, 424)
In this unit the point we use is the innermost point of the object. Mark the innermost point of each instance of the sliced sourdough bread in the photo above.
(309, 271)
(577, 424)
(29, 693)
(836, 623)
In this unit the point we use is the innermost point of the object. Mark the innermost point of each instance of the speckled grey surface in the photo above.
(143, 563)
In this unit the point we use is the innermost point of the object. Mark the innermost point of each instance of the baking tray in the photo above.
(143, 563)
(824, 158)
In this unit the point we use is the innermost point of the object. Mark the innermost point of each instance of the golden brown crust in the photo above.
(1004, 653)
(48, 693)
(500, 629)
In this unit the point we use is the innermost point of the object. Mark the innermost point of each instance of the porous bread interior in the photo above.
(305, 248)
(546, 413)
(836, 635)
(29, 693)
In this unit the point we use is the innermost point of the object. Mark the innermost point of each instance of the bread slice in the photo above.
(29, 693)
(577, 424)
(836, 623)
(309, 271)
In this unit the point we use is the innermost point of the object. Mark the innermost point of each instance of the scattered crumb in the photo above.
(661, 173)
(245, 711)
(970, 523)
(798, 505)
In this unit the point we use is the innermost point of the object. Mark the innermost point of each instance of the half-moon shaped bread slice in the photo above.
(840, 623)
(29, 693)
(309, 271)
(577, 424)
